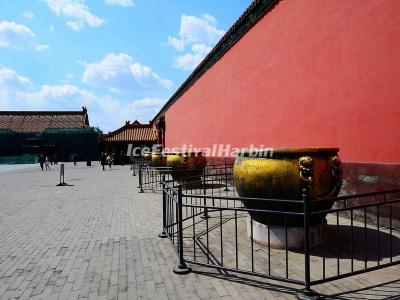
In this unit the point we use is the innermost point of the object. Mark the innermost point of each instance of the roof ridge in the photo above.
(36, 121)
(33, 112)
(131, 132)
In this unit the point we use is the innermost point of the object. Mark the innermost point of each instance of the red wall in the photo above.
(310, 73)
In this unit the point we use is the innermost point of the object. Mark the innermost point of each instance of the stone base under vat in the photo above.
(295, 235)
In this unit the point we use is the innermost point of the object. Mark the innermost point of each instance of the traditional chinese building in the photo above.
(117, 142)
(300, 74)
(61, 134)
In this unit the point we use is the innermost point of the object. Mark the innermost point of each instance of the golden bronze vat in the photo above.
(147, 155)
(186, 166)
(281, 175)
(158, 159)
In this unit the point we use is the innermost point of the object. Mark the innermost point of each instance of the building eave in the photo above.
(111, 135)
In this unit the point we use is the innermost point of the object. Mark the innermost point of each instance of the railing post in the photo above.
(306, 174)
(62, 178)
(140, 179)
(182, 268)
(205, 213)
(164, 204)
(226, 179)
(173, 174)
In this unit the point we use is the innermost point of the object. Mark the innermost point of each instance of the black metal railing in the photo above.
(150, 178)
(217, 231)
(360, 241)
(213, 178)
(138, 163)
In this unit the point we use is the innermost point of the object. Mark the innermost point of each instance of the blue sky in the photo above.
(121, 58)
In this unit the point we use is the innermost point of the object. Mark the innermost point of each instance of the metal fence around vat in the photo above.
(150, 178)
(138, 163)
(210, 231)
(214, 178)
(359, 241)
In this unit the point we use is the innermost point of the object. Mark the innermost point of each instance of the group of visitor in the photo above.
(45, 161)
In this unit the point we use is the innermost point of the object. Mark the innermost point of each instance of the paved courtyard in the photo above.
(98, 239)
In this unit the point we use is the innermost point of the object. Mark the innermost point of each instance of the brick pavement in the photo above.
(98, 239)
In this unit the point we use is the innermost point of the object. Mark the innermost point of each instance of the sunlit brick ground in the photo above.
(98, 239)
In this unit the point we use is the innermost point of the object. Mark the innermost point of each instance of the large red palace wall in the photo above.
(310, 73)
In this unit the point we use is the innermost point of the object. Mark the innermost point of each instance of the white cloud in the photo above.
(40, 48)
(12, 86)
(11, 81)
(149, 102)
(15, 35)
(57, 96)
(201, 30)
(18, 93)
(177, 43)
(190, 60)
(75, 26)
(115, 113)
(76, 11)
(120, 73)
(123, 3)
(200, 33)
(69, 76)
(18, 36)
(112, 114)
(28, 14)
(201, 48)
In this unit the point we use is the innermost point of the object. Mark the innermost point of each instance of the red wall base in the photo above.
(365, 177)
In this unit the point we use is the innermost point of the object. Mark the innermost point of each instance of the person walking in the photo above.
(41, 161)
(103, 160)
(89, 160)
(47, 163)
(122, 158)
(109, 160)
